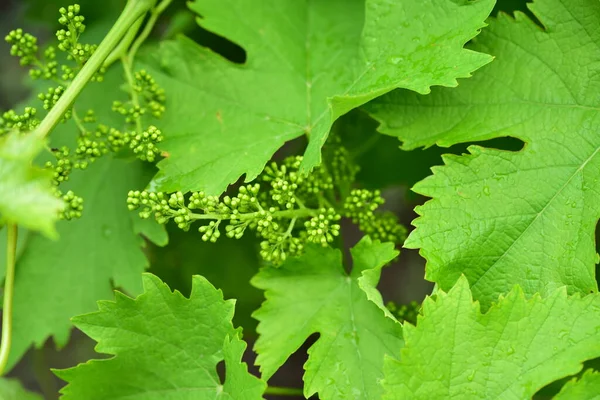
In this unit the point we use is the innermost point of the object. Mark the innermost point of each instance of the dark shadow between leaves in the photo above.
(291, 372)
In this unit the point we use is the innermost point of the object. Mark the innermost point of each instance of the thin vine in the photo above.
(9, 282)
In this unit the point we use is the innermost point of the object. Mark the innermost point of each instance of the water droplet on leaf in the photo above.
(471, 376)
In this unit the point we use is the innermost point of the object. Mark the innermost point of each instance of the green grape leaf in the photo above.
(26, 196)
(164, 346)
(11, 389)
(227, 264)
(314, 294)
(308, 63)
(502, 217)
(56, 280)
(585, 388)
(516, 348)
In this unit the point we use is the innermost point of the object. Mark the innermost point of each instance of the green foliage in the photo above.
(227, 264)
(144, 96)
(163, 355)
(11, 389)
(524, 217)
(585, 388)
(510, 352)
(26, 196)
(285, 208)
(508, 233)
(60, 279)
(308, 63)
(347, 359)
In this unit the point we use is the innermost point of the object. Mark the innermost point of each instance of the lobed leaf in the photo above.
(26, 197)
(314, 294)
(525, 217)
(57, 280)
(308, 63)
(164, 346)
(510, 352)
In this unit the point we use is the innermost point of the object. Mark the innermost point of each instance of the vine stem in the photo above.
(121, 49)
(298, 213)
(128, 69)
(78, 121)
(154, 14)
(128, 59)
(134, 9)
(283, 391)
(11, 257)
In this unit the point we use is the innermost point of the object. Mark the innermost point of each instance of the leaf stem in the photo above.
(131, 13)
(124, 44)
(121, 50)
(128, 69)
(154, 14)
(283, 391)
(128, 59)
(78, 121)
(11, 257)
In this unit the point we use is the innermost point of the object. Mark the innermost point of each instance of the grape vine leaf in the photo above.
(56, 280)
(164, 346)
(26, 196)
(529, 216)
(314, 294)
(11, 389)
(585, 388)
(227, 264)
(510, 352)
(308, 63)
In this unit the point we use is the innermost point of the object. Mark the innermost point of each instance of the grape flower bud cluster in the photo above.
(284, 207)
(92, 142)
(405, 312)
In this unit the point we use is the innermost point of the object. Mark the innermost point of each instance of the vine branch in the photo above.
(134, 10)
(127, 59)
(154, 14)
(11, 257)
(121, 50)
(298, 213)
